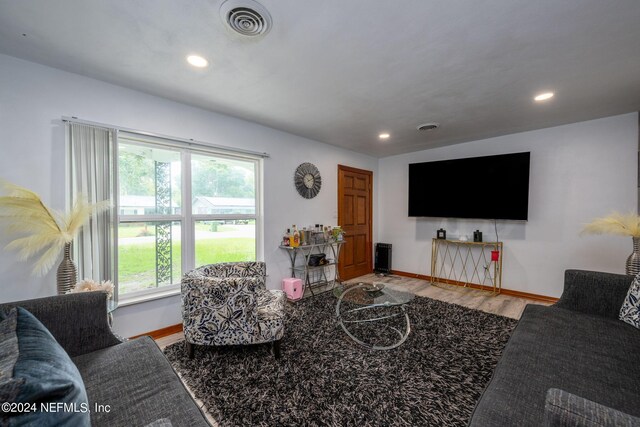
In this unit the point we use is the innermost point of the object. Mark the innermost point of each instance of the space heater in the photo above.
(382, 263)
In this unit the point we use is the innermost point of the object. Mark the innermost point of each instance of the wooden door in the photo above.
(354, 216)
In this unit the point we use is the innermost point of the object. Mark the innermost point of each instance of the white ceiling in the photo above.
(342, 71)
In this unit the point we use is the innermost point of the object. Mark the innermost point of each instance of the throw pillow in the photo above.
(630, 311)
(43, 375)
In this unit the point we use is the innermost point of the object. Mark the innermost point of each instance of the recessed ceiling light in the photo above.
(384, 136)
(544, 96)
(197, 61)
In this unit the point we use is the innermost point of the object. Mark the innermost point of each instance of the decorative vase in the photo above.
(67, 272)
(632, 267)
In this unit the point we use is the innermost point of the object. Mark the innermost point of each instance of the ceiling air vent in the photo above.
(246, 17)
(428, 126)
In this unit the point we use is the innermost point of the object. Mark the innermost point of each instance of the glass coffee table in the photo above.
(373, 315)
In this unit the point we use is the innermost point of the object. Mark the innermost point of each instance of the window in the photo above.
(181, 208)
(223, 193)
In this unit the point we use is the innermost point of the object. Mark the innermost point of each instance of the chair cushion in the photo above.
(43, 374)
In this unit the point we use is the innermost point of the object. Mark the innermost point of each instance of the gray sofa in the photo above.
(573, 363)
(131, 379)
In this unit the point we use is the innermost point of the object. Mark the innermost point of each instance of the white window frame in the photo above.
(186, 218)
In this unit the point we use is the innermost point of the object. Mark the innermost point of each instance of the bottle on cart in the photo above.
(286, 239)
(296, 237)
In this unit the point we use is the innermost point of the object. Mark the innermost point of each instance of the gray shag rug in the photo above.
(324, 378)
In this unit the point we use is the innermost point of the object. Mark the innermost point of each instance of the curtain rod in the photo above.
(190, 142)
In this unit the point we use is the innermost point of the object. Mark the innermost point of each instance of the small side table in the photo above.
(111, 307)
(384, 304)
(315, 275)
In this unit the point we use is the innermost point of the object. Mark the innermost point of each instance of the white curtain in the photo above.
(91, 152)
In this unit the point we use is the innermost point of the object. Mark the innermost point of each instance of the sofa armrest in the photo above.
(77, 321)
(563, 409)
(594, 292)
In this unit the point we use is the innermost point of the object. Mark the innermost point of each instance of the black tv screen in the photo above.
(490, 187)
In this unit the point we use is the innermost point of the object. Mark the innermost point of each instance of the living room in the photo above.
(583, 142)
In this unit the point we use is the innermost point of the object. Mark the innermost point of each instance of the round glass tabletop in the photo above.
(373, 315)
(367, 293)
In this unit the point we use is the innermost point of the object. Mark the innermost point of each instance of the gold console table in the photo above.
(470, 264)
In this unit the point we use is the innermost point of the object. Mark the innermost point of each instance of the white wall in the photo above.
(578, 172)
(32, 100)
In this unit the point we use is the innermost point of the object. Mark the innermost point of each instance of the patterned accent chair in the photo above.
(228, 304)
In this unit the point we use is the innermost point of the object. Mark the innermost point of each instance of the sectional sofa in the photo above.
(120, 382)
(571, 364)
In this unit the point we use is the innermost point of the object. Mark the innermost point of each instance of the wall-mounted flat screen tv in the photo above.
(490, 187)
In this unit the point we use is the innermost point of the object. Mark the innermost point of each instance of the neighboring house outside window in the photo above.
(181, 208)
(176, 204)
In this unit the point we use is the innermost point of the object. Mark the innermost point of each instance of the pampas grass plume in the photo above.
(615, 223)
(38, 230)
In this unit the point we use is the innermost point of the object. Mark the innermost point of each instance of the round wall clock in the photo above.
(307, 180)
